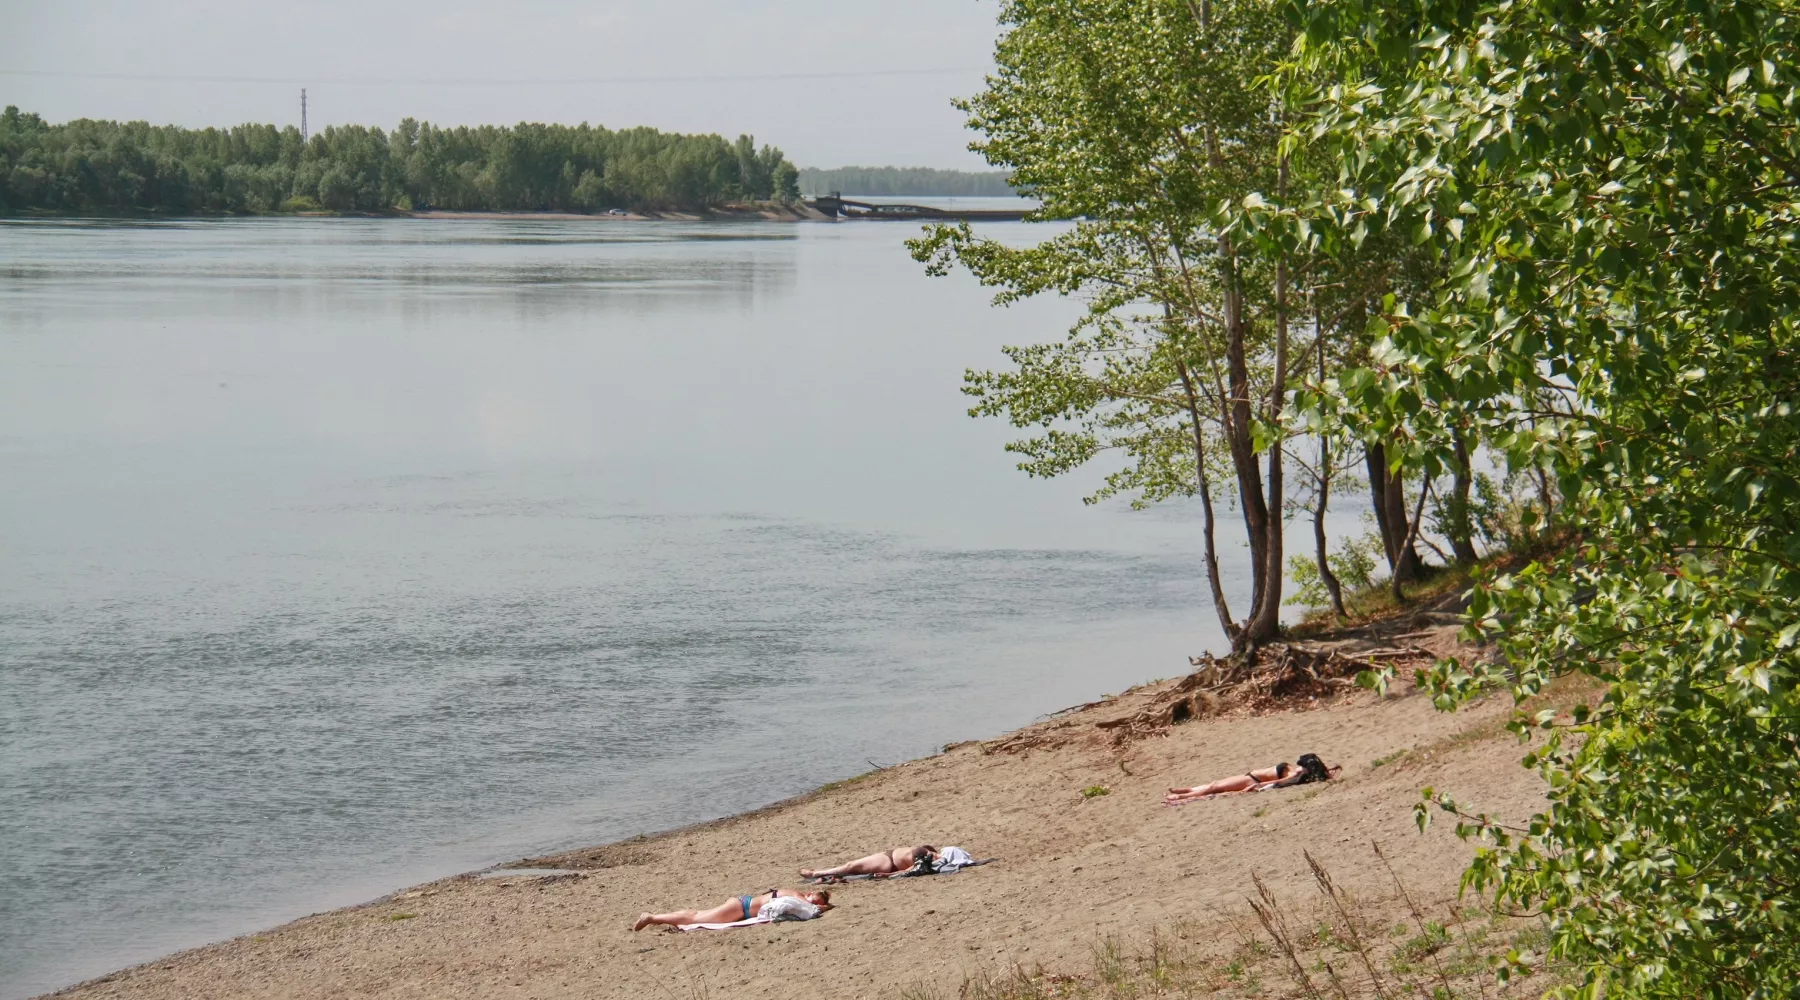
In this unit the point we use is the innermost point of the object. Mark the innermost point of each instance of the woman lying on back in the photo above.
(1309, 769)
(878, 864)
(732, 910)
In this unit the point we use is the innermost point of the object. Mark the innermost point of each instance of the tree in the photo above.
(1612, 187)
(1148, 122)
(109, 167)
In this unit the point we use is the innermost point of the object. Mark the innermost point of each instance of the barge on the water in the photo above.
(835, 206)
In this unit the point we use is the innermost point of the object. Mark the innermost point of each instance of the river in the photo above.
(338, 555)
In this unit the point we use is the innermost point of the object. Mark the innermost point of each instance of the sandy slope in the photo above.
(1071, 867)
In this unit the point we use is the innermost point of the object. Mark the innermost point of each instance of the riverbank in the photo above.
(1076, 866)
(761, 212)
(771, 212)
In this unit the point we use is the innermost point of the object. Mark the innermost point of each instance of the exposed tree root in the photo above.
(1279, 675)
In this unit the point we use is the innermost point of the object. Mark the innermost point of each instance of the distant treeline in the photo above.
(881, 181)
(104, 167)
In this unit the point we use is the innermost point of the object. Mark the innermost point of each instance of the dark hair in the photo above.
(1311, 769)
(922, 850)
(1282, 769)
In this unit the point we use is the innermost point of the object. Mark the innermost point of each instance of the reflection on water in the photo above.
(341, 554)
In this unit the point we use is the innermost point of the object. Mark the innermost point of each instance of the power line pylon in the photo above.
(302, 116)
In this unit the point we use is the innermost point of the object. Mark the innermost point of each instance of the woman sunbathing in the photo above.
(1309, 769)
(734, 909)
(879, 865)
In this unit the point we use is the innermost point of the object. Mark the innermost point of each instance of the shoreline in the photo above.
(772, 212)
(726, 213)
(1017, 796)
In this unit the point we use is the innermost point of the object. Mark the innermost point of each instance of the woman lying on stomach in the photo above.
(880, 863)
(734, 909)
(1309, 769)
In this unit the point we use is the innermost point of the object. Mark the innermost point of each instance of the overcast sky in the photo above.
(832, 82)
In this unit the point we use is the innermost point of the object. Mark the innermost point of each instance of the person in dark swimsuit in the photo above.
(734, 909)
(1310, 769)
(879, 864)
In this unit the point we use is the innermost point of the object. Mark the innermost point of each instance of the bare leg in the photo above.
(1224, 786)
(727, 912)
(874, 864)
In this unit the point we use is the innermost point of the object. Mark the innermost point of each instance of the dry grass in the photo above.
(1334, 946)
(1376, 602)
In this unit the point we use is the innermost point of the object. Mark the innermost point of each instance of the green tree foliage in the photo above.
(1146, 122)
(1103, 110)
(1613, 188)
(100, 167)
(906, 181)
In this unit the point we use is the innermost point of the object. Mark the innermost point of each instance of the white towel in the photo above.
(760, 918)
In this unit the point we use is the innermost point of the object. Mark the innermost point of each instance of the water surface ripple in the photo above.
(337, 555)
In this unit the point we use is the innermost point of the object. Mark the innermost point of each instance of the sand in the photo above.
(1071, 868)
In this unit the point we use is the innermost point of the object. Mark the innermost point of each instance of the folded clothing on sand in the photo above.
(952, 860)
(789, 908)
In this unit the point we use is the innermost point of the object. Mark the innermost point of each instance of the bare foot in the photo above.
(806, 873)
(643, 920)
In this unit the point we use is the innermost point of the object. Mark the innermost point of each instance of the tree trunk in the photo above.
(1397, 534)
(1321, 546)
(1226, 622)
(1462, 540)
(1265, 622)
(1412, 531)
(1375, 458)
(1237, 416)
(1321, 551)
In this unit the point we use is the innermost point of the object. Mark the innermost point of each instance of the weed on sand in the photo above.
(1334, 946)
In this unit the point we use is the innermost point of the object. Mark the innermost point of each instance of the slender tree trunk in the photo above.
(1375, 459)
(1412, 531)
(1543, 481)
(1235, 409)
(1397, 532)
(1321, 546)
(1206, 505)
(1462, 541)
(1543, 484)
(1238, 417)
(1409, 567)
(1267, 621)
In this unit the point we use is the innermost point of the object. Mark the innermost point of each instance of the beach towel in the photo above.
(758, 919)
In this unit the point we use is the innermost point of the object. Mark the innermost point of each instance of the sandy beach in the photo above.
(1073, 868)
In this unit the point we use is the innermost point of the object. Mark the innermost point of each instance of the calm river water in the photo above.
(338, 555)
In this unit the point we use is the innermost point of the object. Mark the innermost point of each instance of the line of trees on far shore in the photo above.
(906, 182)
(106, 167)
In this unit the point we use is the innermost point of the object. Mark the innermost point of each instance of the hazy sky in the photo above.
(832, 82)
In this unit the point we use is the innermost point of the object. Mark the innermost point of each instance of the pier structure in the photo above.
(836, 206)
